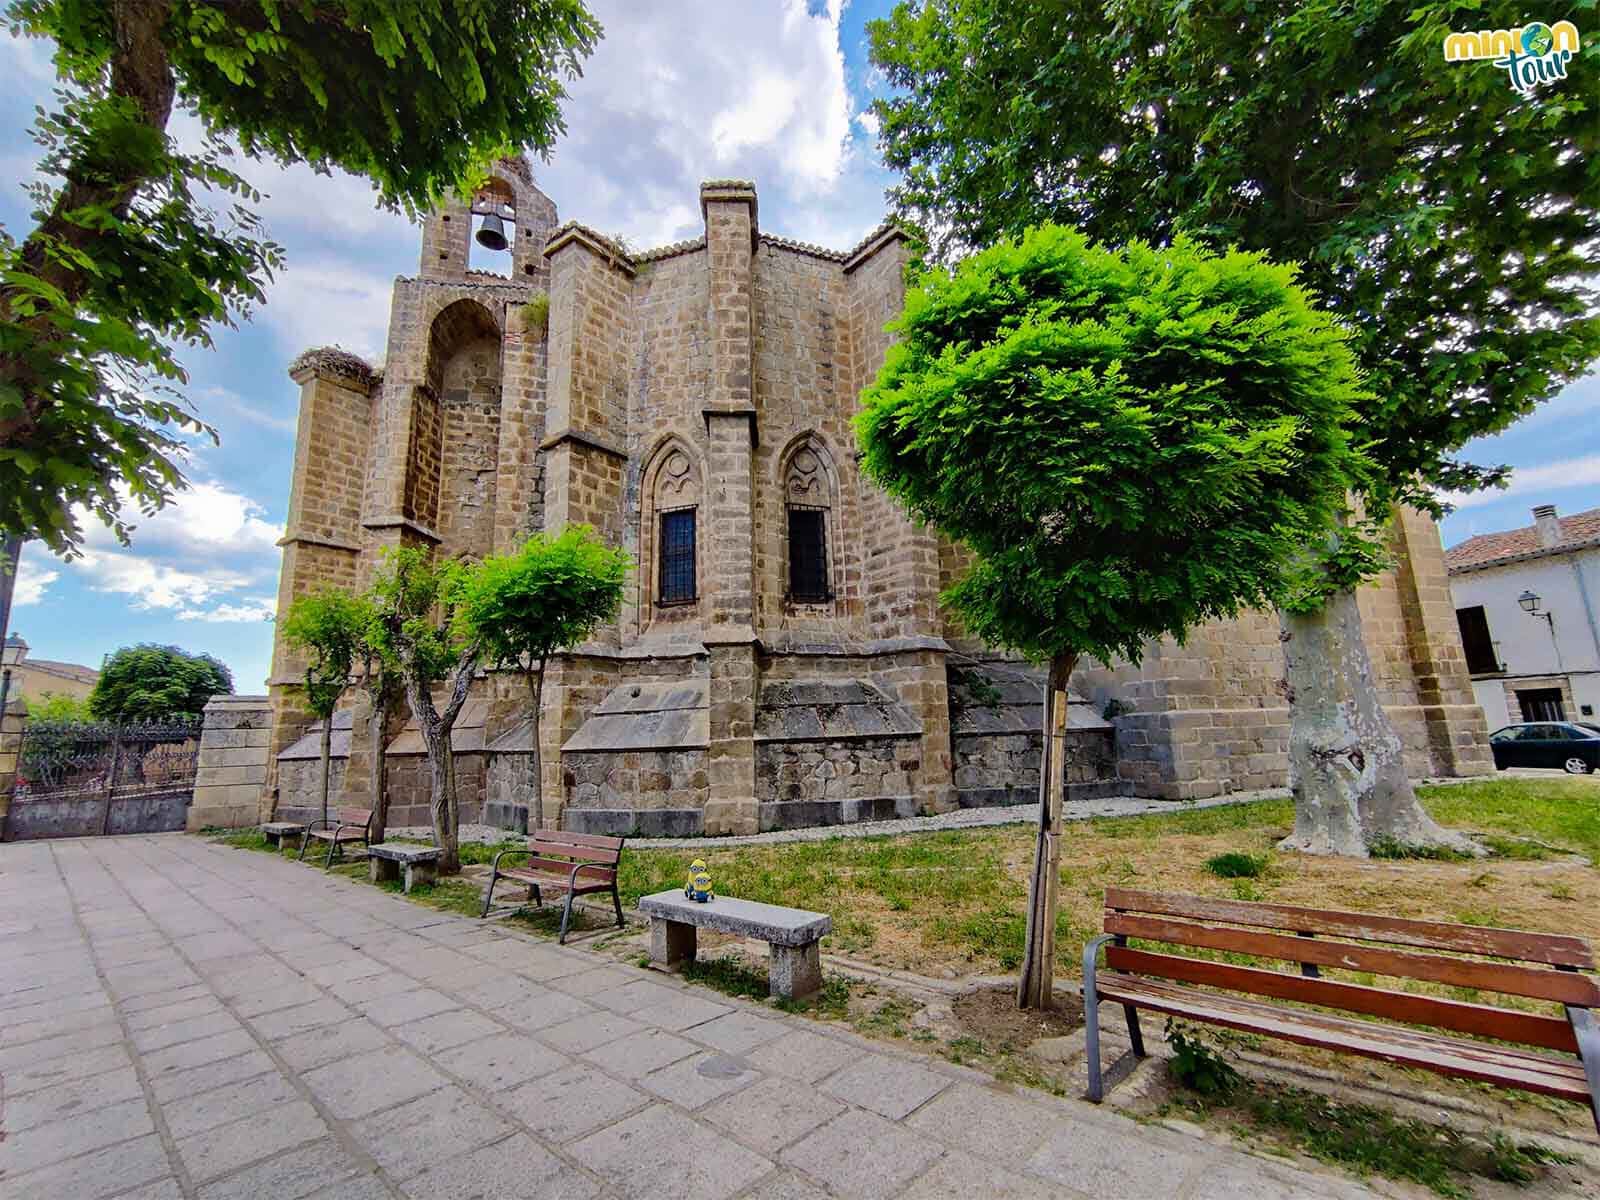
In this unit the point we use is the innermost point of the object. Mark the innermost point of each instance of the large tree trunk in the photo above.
(1036, 984)
(442, 804)
(536, 803)
(1346, 765)
(377, 749)
(436, 727)
(327, 754)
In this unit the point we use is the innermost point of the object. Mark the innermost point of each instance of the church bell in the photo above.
(492, 233)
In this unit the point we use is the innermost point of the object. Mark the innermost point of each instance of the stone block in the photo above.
(672, 943)
(728, 914)
(794, 972)
(637, 1155)
(863, 1156)
(888, 1086)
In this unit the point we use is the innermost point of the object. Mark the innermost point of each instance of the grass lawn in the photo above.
(954, 900)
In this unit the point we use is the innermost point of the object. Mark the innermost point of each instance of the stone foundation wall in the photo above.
(649, 793)
(300, 788)
(999, 769)
(410, 785)
(835, 782)
(507, 792)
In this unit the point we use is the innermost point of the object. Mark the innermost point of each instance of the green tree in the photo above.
(330, 627)
(522, 607)
(1451, 223)
(1132, 443)
(416, 633)
(148, 682)
(384, 688)
(139, 246)
(59, 709)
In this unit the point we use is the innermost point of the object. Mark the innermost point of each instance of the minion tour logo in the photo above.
(1534, 54)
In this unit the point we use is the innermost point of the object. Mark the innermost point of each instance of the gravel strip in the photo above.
(961, 818)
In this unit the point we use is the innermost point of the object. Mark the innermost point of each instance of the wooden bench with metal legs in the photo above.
(349, 825)
(575, 863)
(1542, 966)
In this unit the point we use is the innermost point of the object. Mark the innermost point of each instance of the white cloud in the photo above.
(29, 59)
(33, 579)
(149, 583)
(198, 553)
(681, 92)
(1566, 473)
(252, 609)
(868, 120)
(319, 301)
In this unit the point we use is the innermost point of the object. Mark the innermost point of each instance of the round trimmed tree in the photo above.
(553, 593)
(1132, 442)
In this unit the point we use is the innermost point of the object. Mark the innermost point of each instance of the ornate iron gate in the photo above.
(76, 779)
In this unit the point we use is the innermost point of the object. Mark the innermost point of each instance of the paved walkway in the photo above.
(180, 1019)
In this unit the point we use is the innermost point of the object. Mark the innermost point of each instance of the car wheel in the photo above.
(1577, 766)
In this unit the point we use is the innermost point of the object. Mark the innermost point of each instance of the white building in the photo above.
(1527, 601)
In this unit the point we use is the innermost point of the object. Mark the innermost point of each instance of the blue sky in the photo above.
(676, 93)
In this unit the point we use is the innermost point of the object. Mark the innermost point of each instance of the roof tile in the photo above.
(1580, 529)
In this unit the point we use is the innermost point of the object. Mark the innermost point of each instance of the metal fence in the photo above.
(83, 772)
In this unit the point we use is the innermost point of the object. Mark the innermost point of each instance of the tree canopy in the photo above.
(1132, 442)
(1451, 222)
(553, 592)
(148, 682)
(333, 628)
(419, 639)
(141, 246)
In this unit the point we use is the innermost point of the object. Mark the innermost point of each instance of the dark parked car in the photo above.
(1572, 746)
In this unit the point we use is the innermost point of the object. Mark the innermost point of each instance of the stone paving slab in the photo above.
(186, 1021)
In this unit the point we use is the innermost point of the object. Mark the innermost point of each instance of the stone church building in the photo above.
(781, 658)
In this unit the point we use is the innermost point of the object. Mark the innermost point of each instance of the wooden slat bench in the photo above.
(347, 826)
(556, 860)
(1541, 966)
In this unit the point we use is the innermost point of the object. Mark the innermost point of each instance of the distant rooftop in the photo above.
(1549, 534)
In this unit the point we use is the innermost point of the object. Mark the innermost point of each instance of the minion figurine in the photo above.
(698, 887)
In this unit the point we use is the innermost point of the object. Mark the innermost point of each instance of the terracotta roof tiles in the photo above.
(1488, 549)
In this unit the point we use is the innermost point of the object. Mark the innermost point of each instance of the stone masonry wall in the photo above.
(300, 788)
(802, 369)
(410, 785)
(470, 455)
(231, 773)
(1210, 717)
(635, 779)
(1002, 769)
(801, 784)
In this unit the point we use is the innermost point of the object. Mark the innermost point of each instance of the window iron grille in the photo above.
(808, 555)
(675, 582)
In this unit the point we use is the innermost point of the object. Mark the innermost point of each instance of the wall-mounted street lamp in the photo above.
(1529, 600)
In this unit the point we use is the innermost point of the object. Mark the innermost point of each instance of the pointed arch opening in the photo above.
(810, 487)
(670, 532)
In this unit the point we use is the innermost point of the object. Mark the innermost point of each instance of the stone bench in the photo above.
(276, 831)
(794, 965)
(386, 860)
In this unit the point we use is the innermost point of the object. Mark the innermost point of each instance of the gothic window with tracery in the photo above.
(808, 499)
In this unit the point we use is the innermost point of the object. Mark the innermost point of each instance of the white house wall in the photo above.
(1522, 642)
(1491, 696)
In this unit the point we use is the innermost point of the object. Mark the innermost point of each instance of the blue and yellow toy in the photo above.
(698, 886)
